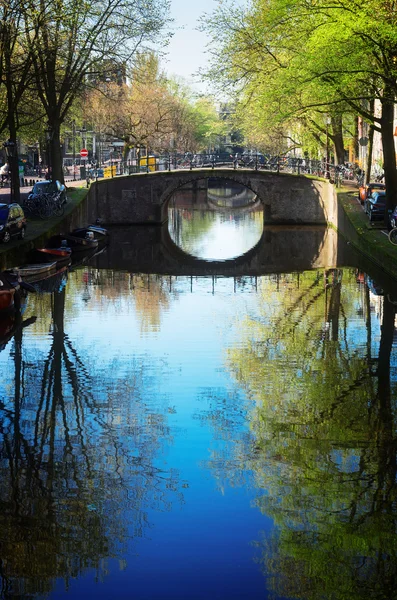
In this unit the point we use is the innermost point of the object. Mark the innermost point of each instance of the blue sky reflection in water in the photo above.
(179, 438)
(220, 222)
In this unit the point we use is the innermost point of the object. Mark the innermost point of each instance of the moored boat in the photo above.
(7, 296)
(48, 255)
(98, 231)
(10, 284)
(76, 243)
(82, 258)
(51, 282)
(31, 272)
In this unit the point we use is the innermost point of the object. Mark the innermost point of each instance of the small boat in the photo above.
(36, 271)
(81, 258)
(76, 243)
(9, 286)
(52, 282)
(95, 229)
(46, 255)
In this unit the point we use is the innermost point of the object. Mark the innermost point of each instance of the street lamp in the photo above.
(10, 148)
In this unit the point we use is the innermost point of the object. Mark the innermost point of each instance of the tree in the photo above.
(292, 59)
(73, 41)
(153, 112)
(15, 78)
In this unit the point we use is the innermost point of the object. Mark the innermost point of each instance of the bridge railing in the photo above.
(258, 162)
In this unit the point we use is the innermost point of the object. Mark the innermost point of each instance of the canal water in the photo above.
(206, 437)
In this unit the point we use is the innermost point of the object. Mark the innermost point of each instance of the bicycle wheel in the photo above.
(45, 209)
(58, 209)
(393, 236)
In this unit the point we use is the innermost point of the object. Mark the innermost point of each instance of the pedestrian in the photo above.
(4, 172)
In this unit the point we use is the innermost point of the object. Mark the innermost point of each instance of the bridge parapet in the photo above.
(143, 198)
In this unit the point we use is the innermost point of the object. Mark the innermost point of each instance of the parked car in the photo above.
(375, 204)
(12, 222)
(48, 187)
(367, 189)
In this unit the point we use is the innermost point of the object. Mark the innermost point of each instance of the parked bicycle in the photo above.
(52, 205)
(33, 206)
(47, 205)
(393, 236)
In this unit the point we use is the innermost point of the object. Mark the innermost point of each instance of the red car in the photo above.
(366, 190)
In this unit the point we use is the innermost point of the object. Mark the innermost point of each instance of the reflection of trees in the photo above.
(323, 442)
(151, 297)
(147, 296)
(187, 226)
(77, 467)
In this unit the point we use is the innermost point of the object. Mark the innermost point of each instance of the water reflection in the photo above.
(219, 221)
(77, 464)
(322, 446)
(235, 436)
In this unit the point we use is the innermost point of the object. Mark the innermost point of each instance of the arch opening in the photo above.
(215, 219)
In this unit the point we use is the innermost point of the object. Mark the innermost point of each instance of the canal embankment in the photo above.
(348, 218)
(39, 230)
(370, 239)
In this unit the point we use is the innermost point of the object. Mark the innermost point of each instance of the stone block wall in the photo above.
(143, 198)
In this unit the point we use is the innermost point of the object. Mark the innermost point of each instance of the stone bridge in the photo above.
(143, 198)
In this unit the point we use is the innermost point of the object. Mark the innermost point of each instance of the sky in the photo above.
(186, 52)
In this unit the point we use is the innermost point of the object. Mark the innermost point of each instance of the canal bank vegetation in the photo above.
(301, 73)
(369, 238)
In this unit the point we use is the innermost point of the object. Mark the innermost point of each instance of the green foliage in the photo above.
(291, 63)
(323, 437)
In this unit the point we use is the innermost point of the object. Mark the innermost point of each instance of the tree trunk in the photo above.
(15, 195)
(370, 146)
(337, 138)
(55, 152)
(389, 153)
(355, 139)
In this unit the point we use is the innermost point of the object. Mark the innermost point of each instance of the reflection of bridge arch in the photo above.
(251, 207)
(243, 198)
(236, 193)
(280, 250)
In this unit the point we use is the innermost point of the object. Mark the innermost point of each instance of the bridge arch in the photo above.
(195, 176)
(143, 198)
